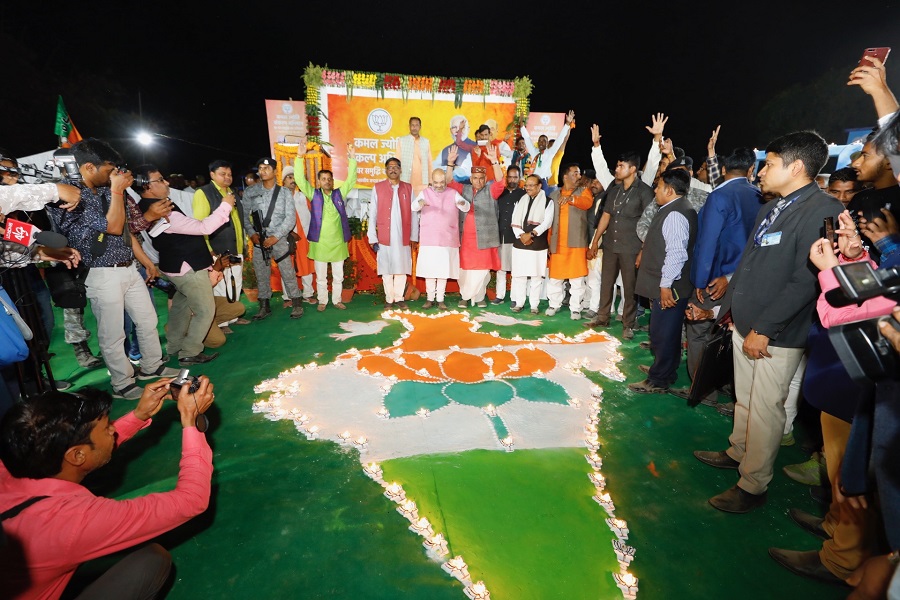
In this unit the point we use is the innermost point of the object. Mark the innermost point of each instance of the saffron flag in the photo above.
(65, 129)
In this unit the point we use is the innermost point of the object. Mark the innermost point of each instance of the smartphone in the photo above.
(829, 230)
(482, 142)
(879, 53)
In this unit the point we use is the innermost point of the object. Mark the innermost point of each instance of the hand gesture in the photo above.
(270, 241)
(491, 151)
(756, 346)
(821, 254)
(711, 145)
(67, 256)
(658, 123)
(452, 154)
(69, 194)
(229, 199)
(870, 78)
(152, 399)
(595, 134)
(889, 332)
(570, 117)
(879, 227)
(666, 298)
(848, 239)
(351, 152)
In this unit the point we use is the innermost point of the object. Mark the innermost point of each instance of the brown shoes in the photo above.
(806, 564)
(719, 460)
(737, 501)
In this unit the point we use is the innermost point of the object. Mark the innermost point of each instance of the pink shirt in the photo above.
(831, 315)
(55, 535)
(181, 223)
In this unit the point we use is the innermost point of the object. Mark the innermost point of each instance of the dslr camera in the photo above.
(163, 285)
(866, 354)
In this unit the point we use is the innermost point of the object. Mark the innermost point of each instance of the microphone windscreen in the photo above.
(51, 239)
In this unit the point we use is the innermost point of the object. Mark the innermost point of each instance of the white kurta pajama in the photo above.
(437, 262)
(529, 263)
(394, 260)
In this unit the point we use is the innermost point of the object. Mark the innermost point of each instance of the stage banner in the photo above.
(287, 122)
(544, 123)
(374, 120)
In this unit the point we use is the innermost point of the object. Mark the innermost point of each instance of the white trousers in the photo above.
(394, 287)
(337, 283)
(556, 292)
(501, 285)
(112, 291)
(473, 284)
(517, 291)
(307, 288)
(435, 289)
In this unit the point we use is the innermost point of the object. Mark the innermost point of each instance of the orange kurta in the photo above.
(568, 263)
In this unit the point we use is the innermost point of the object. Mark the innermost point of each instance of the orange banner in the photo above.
(374, 124)
(287, 122)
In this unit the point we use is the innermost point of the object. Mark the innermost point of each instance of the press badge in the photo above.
(771, 239)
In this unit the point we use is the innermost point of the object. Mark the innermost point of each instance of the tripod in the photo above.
(29, 371)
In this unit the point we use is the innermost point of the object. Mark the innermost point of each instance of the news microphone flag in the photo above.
(65, 129)
(19, 232)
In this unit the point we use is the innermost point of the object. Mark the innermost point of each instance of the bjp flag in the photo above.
(65, 129)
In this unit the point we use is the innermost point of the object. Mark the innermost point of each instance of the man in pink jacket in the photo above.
(51, 524)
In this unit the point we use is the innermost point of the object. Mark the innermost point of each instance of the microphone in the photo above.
(50, 239)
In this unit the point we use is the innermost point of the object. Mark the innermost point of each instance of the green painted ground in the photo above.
(297, 519)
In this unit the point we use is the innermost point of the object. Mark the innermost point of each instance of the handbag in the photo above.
(12, 337)
(66, 285)
(716, 367)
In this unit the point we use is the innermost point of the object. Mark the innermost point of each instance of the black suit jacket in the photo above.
(775, 287)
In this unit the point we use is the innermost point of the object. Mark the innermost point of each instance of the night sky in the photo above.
(201, 75)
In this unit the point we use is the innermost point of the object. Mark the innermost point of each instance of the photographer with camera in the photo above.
(51, 523)
(100, 229)
(184, 258)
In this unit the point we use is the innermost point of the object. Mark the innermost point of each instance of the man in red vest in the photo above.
(392, 231)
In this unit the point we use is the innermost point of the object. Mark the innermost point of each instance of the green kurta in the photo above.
(331, 246)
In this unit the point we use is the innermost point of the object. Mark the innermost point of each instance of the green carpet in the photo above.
(291, 518)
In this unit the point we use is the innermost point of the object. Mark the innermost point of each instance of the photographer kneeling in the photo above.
(52, 524)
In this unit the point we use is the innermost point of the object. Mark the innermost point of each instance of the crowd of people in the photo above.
(701, 244)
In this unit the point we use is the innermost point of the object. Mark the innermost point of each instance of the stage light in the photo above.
(144, 138)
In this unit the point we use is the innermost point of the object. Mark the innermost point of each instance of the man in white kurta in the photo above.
(392, 230)
(531, 219)
(438, 258)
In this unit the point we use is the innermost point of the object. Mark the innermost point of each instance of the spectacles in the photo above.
(160, 180)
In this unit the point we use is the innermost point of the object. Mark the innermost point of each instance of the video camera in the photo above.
(866, 354)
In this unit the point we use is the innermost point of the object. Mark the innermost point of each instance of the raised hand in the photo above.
(657, 124)
(452, 154)
(711, 145)
(595, 134)
(570, 116)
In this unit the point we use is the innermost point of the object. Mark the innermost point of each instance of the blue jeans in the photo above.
(665, 341)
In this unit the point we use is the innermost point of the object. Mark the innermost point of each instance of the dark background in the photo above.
(201, 72)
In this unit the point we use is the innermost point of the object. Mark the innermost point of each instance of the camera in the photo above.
(859, 281)
(164, 286)
(866, 354)
(234, 259)
(64, 160)
(184, 379)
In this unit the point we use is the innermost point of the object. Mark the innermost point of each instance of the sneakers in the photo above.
(481, 304)
(647, 387)
(590, 314)
(162, 371)
(788, 439)
(809, 472)
(551, 311)
(130, 392)
(497, 301)
(576, 315)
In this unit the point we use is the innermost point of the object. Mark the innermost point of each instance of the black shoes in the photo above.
(296, 308)
(199, 359)
(806, 564)
(264, 310)
(719, 460)
(737, 501)
(809, 523)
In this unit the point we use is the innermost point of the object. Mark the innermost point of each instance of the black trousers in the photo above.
(138, 576)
